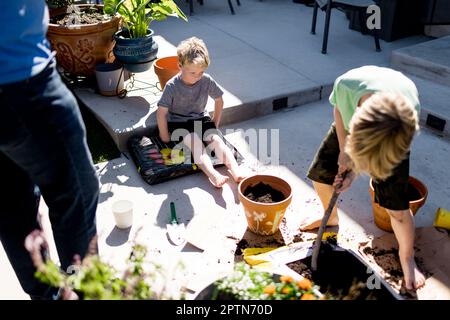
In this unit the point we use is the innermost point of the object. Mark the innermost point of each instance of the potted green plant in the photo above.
(81, 35)
(135, 47)
(94, 279)
(246, 283)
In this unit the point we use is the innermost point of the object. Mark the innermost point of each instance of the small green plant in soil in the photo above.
(246, 283)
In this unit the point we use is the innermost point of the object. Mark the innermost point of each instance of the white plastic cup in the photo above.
(123, 213)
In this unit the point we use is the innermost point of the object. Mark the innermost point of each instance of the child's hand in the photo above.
(345, 162)
(341, 184)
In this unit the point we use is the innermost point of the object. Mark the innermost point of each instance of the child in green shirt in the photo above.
(376, 117)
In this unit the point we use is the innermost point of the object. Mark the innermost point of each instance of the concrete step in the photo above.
(136, 113)
(429, 60)
(435, 102)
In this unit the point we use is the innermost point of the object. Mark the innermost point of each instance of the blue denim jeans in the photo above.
(43, 143)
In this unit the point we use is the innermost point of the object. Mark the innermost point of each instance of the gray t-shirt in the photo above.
(188, 102)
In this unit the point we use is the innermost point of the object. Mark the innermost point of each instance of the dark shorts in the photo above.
(199, 126)
(391, 193)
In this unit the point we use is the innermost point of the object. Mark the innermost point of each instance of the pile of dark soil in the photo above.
(264, 193)
(341, 275)
(90, 15)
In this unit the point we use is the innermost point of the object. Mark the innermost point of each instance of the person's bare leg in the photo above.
(402, 222)
(226, 156)
(193, 142)
(325, 192)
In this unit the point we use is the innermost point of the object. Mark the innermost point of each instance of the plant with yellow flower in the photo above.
(246, 283)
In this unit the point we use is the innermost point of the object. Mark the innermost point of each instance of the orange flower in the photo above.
(286, 279)
(286, 290)
(304, 284)
(308, 296)
(269, 289)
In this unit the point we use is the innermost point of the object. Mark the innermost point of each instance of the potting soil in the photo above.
(341, 275)
(264, 193)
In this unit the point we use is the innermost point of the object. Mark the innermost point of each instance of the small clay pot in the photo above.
(265, 218)
(381, 216)
(166, 68)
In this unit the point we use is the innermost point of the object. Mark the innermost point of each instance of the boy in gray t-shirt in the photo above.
(181, 112)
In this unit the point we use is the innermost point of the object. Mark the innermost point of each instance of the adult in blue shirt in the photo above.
(42, 143)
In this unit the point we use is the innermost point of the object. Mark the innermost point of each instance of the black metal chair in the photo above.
(191, 6)
(358, 6)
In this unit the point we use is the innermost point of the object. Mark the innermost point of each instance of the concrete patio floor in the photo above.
(265, 51)
(300, 132)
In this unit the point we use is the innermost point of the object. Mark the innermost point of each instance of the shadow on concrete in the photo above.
(117, 237)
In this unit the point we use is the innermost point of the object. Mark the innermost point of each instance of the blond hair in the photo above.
(381, 133)
(193, 51)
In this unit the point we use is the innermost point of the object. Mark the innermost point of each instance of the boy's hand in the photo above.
(344, 162)
(344, 183)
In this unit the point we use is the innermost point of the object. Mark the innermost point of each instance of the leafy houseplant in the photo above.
(135, 47)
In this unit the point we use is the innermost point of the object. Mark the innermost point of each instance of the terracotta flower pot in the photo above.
(265, 218)
(80, 48)
(166, 68)
(381, 216)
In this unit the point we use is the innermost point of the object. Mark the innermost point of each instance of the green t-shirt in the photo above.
(354, 84)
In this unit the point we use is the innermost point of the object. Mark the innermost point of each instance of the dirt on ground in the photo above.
(389, 262)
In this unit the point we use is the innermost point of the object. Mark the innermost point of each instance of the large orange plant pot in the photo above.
(81, 47)
(265, 218)
(166, 68)
(381, 216)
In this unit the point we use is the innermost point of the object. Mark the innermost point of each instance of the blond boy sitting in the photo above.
(181, 112)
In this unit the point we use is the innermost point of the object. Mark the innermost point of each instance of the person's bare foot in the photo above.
(414, 279)
(314, 222)
(218, 180)
(238, 175)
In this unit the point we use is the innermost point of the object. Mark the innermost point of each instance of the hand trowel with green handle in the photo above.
(175, 230)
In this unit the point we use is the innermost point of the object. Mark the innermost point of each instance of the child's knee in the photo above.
(399, 215)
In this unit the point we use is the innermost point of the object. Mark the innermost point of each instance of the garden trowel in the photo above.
(175, 230)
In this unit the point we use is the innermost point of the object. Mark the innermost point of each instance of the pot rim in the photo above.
(288, 198)
(118, 35)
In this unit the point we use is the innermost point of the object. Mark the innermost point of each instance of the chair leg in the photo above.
(191, 7)
(314, 20)
(326, 29)
(377, 40)
(362, 19)
(238, 2)
(231, 6)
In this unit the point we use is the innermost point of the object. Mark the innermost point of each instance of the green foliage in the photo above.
(246, 283)
(138, 14)
(96, 280)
